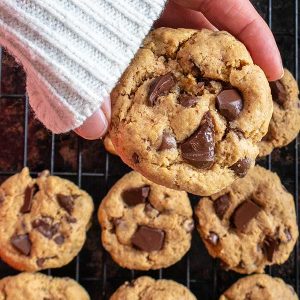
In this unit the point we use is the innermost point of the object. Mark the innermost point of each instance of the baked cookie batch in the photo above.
(190, 114)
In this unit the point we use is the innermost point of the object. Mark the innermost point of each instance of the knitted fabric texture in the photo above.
(73, 51)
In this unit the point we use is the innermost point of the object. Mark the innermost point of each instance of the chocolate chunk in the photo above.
(40, 262)
(66, 202)
(29, 193)
(221, 205)
(148, 239)
(213, 238)
(188, 225)
(45, 227)
(241, 167)
(159, 86)
(135, 158)
(59, 240)
(279, 93)
(230, 104)
(188, 100)
(71, 219)
(270, 245)
(168, 141)
(288, 234)
(199, 149)
(136, 196)
(150, 211)
(22, 243)
(244, 213)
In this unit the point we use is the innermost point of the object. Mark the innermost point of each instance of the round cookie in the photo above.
(261, 286)
(190, 109)
(145, 225)
(285, 122)
(37, 286)
(250, 224)
(43, 221)
(147, 288)
(109, 145)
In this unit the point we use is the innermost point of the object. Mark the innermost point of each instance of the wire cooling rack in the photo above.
(24, 142)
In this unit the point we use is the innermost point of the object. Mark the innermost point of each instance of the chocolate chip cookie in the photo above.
(43, 221)
(37, 286)
(260, 287)
(190, 109)
(109, 145)
(250, 224)
(148, 288)
(285, 122)
(145, 225)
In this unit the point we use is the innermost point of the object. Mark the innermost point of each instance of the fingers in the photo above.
(97, 124)
(241, 19)
(176, 16)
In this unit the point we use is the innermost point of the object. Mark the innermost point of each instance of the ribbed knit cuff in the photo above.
(73, 51)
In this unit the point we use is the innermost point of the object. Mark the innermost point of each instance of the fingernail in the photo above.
(94, 127)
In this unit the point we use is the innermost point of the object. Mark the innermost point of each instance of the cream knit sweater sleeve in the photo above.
(73, 51)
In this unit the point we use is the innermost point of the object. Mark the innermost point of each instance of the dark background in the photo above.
(24, 141)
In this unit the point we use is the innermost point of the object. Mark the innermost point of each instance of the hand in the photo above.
(238, 17)
(235, 16)
(97, 124)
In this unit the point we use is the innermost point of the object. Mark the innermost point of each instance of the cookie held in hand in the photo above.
(190, 109)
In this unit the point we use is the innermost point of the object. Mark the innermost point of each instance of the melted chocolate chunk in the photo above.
(71, 220)
(270, 245)
(244, 213)
(22, 243)
(213, 238)
(279, 93)
(221, 205)
(59, 240)
(40, 262)
(135, 158)
(288, 234)
(29, 193)
(148, 239)
(136, 196)
(168, 141)
(66, 202)
(159, 86)
(45, 227)
(188, 100)
(199, 149)
(241, 167)
(230, 104)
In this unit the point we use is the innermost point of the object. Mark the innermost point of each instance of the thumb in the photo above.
(96, 125)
